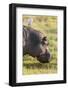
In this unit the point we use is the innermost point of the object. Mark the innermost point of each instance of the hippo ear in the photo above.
(44, 39)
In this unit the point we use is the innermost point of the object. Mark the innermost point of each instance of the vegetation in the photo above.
(48, 26)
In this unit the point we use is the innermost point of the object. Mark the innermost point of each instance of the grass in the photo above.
(48, 26)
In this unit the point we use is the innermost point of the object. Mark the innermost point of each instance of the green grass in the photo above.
(48, 26)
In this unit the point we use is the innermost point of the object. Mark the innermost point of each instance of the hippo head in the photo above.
(36, 45)
(44, 55)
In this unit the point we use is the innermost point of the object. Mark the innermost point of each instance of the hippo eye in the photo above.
(45, 43)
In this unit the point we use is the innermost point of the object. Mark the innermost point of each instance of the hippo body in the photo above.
(35, 44)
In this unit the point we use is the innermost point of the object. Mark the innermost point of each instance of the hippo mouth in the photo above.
(44, 58)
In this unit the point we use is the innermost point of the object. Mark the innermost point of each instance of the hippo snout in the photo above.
(44, 58)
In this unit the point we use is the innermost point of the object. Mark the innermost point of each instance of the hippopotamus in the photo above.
(35, 44)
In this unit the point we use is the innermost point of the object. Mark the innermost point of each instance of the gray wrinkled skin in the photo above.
(36, 45)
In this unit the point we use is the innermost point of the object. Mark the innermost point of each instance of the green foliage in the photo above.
(48, 26)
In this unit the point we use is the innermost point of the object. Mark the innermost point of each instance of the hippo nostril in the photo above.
(48, 55)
